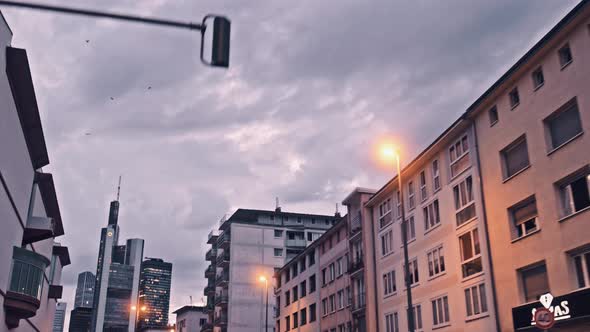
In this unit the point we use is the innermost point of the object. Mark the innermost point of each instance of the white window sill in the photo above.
(385, 297)
(466, 222)
(414, 285)
(493, 123)
(432, 228)
(387, 255)
(440, 326)
(514, 106)
(410, 241)
(525, 236)
(473, 276)
(565, 143)
(574, 214)
(454, 177)
(476, 317)
(516, 174)
(566, 64)
(538, 86)
(436, 276)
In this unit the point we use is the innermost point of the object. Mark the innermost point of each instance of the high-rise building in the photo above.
(251, 244)
(31, 261)
(118, 270)
(80, 319)
(85, 290)
(154, 293)
(59, 317)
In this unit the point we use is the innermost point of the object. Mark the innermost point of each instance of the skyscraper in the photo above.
(117, 278)
(154, 293)
(85, 290)
(59, 317)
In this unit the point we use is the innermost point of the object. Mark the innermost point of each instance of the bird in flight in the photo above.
(87, 41)
(149, 87)
(112, 98)
(88, 134)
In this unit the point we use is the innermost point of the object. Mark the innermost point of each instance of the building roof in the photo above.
(251, 215)
(497, 86)
(187, 308)
(358, 190)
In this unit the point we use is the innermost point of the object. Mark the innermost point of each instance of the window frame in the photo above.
(431, 215)
(476, 305)
(582, 275)
(475, 255)
(570, 105)
(392, 322)
(566, 195)
(505, 153)
(414, 268)
(464, 203)
(389, 284)
(560, 53)
(445, 311)
(436, 184)
(463, 144)
(515, 224)
(423, 188)
(523, 283)
(496, 117)
(385, 213)
(514, 98)
(436, 258)
(411, 195)
(535, 75)
(387, 247)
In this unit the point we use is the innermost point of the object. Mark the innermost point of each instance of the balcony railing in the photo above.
(223, 258)
(296, 243)
(221, 278)
(355, 265)
(210, 271)
(356, 224)
(211, 254)
(209, 289)
(212, 237)
(223, 240)
(221, 319)
(221, 298)
(358, 302)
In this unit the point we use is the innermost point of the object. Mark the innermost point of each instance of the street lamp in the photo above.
(389, 152)
(264, 279)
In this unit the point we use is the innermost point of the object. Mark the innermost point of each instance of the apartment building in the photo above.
(190, 318)
(360, 239)
(31, 261)
(335, 291)
(251, 244)
(532, 131)
(297, 295)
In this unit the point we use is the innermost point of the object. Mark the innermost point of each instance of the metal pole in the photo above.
(405, 242)
(93, 13)
(266, 314)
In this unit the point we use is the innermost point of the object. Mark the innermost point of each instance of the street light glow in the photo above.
(262, 279)
(133, 307)
(143, 308)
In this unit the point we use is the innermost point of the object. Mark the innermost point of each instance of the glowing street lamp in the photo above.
(264, 279)
(388, 152)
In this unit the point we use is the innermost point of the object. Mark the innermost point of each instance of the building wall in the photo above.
(192, 321)
(333, 249)
(450, 283)
(556, 237)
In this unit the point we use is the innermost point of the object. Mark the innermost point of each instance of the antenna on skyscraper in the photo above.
(119, 188)
(191, 298)
(278, 207)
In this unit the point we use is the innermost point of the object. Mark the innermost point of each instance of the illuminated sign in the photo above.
(109, 233)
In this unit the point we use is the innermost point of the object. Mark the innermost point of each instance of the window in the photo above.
(339, 267)
(385, 213)
(332, 302)
(389, 285)
(534, 282)
(435, 175)
(565, 55)
(312, 284)
(299, 221)
(575, 192)
(287, 298)
(436, 262)
(324, 307)
(524, 217)
(294, 270)
(348, 296)
(303, 288)
(459, 156)
(410, 229)
(312, 313)
(295, 319)
(387, 243)
(324, 277)
(431, 215)
(417, 311)
(563, 125)
(440, 311)
(278, 233)
(287, 323)
(475, 300)
(515, 157)
(411, 194)
(278, 252)
(399, 204)
(332, 272)
(538, 79)
(493, 113)
(311, 258)
(423, 192)
(470, 253)
(464, 201)
(413, 267)
(391, 323)
(287, 275)
(302, 264)
(582, 266)
(514, 98)
(295, 293)
(340, 299)
(303, 316)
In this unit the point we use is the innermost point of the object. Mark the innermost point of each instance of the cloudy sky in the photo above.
(312, 86)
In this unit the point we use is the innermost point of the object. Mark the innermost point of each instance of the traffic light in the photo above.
(220, 43)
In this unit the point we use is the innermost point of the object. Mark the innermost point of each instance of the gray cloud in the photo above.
(312, 84)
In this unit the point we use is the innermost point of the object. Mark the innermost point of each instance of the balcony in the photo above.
(223, 259)
(209, 289)
(356, 225)
(210, 306)
(221, 279)
(223, 240)
(276, 312)
(221, 319)
(212, 237)
(210, 272)
(301, 243)
(358, 303)
(221, 299)
(211, 254)
(355, 265)
(23, 297)
(207, 327)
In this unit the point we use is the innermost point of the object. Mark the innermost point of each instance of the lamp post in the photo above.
(390, 152)
(265, 280)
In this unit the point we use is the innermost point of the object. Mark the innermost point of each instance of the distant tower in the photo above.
(85, 290)
(154, 293)
(60, 315)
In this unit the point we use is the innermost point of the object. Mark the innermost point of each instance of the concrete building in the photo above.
(448, 244)
(297, 296)
(80, 319)
(59, 317)
(154, 293)
(30, 261)
(190, 318)
(85, 290)
(252, 243)
(533, 146)
(360, 244)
